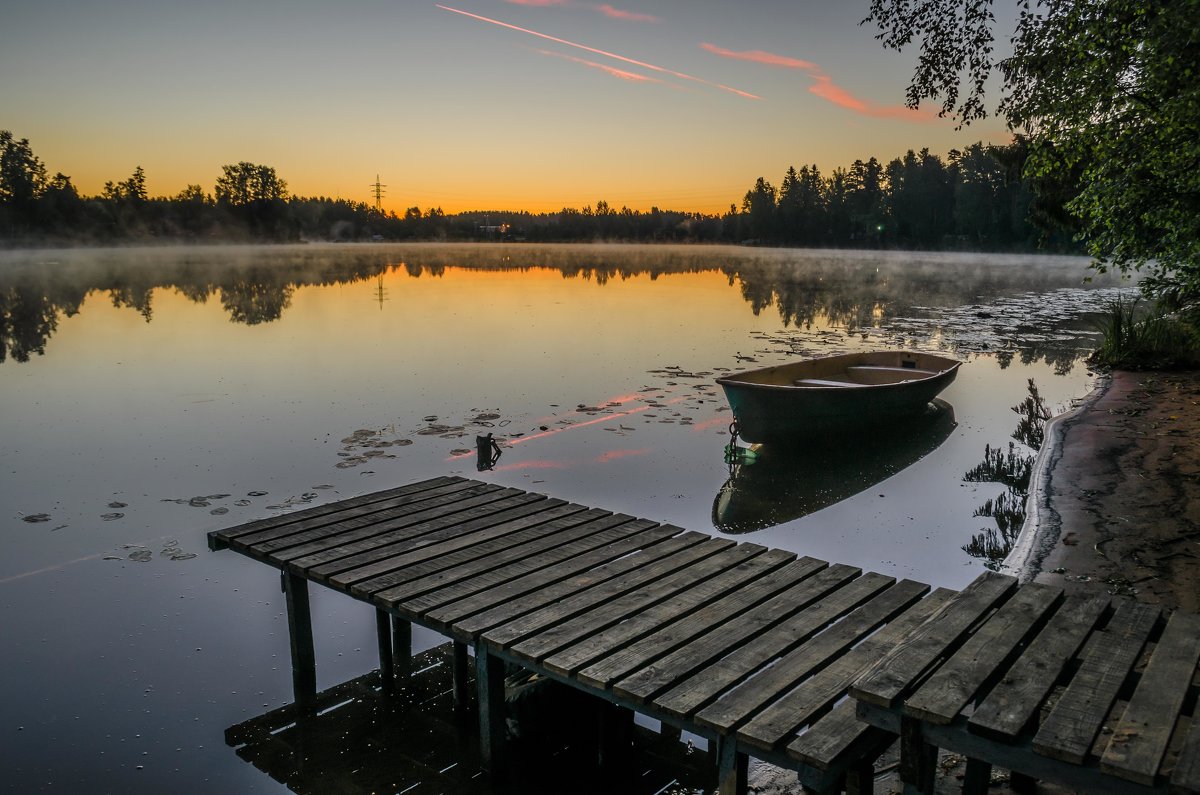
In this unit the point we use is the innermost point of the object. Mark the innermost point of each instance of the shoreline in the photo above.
(1115, 493)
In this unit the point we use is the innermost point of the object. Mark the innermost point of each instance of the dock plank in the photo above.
(670, 638)
(508, 610)
(915, 654)
(1071, 727)
(1014, 700)
(316, 511)
(442, 608)
(504, 561)
(294, 533)
(510, 541)
(773, 725)
(567, 661)
(1139, 739)
(707, 684)
(983, 656)
(709, 647)
(365, 540)
(736, 706)
(592, 612)
(836, 734)
(1186, 777)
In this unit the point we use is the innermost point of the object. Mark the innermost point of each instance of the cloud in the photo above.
(632, 77)
(823, 85)
(617, 13)
(606, 54)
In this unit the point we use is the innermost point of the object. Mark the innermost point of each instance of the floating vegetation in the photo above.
(118, 505)
(112, 517)
(35, 518)
(140, 555)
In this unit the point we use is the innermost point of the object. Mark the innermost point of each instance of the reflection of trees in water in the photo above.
(854, 290)
(1013, 469)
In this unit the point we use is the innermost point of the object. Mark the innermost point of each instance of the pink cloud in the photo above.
(617, 13)
(823, 85)
(622, 74)
(613, 455)
(763, 57)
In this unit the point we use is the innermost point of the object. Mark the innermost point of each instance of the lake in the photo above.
(152, 395)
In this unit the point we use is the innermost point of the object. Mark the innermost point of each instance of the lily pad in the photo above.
(34, 518)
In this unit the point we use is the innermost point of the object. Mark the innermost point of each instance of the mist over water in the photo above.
(152, 395)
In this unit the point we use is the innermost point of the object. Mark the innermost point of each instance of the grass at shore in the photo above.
(1148, 339)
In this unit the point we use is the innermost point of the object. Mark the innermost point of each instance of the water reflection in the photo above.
(362, 740)
(894, 296)
(1011, 468)
(769, 486)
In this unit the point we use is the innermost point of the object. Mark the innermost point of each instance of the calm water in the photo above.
(149, 396)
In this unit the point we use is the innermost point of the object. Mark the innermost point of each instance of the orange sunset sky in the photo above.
(469, 104)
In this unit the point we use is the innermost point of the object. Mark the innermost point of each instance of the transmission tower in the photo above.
(379, 191)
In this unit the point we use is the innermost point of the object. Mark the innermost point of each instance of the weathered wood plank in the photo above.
(519, 552)
(984, 656)
(662, 641)
(1186, 778)
(835, 736)
(455, 558)
(324, 509)
(1139, 739)
(1069, 730)
(736, 706)
(481, 523)
(703, 685)
(370, 538)
(582, 623)
(771, 727)
(282, 535)
(638, 624)
(576, 602)
(705, 649)
(505, 610)
(909, 660)
(1014, 700)
(444, 606)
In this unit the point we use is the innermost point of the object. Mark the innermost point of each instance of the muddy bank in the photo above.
(1117, 495)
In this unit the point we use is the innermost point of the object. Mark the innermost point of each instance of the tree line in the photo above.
(975, 199)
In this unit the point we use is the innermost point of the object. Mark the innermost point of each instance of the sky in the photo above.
(466, 104)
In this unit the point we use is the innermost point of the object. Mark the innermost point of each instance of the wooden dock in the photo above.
(810, 666)
(752, 648)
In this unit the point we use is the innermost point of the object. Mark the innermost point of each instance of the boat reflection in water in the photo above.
(770, 485)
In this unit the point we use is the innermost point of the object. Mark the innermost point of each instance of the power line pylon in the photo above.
(379, 191)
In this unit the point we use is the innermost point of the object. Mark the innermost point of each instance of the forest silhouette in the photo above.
(973, 200)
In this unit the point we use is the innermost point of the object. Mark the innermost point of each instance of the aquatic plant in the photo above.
(1151, 339)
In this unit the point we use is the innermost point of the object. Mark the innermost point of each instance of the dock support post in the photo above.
(402, 650)
(860, 779)
(918, 759)
(489, 682)
(615, 737)
(978, 777)
(462, 699)
(732, 767)
(304, 661)
(387, 671)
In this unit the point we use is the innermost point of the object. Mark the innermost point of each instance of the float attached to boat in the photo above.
(834, 393)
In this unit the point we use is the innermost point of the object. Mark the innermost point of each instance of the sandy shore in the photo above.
(1116, 498)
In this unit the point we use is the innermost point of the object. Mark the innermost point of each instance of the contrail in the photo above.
(605, 53)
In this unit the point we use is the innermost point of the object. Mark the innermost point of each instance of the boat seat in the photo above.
(822, 382)
(876, 368)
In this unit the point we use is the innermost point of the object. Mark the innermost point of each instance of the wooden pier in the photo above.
(754, 649)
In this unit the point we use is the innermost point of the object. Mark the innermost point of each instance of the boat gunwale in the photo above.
(738, 378)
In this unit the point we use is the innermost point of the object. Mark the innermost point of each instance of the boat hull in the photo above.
(769, 406)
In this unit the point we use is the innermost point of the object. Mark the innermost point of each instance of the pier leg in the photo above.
(918, 759)
(489, 682)
(978, 777)
(402, 650)
(616, 737)
(860, 779)
(462, 699)
(1019, 782)
(670, 732)
(387, 672)
(732, 767)
(304, 661)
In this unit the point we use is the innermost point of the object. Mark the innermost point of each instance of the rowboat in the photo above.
(834, 393)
